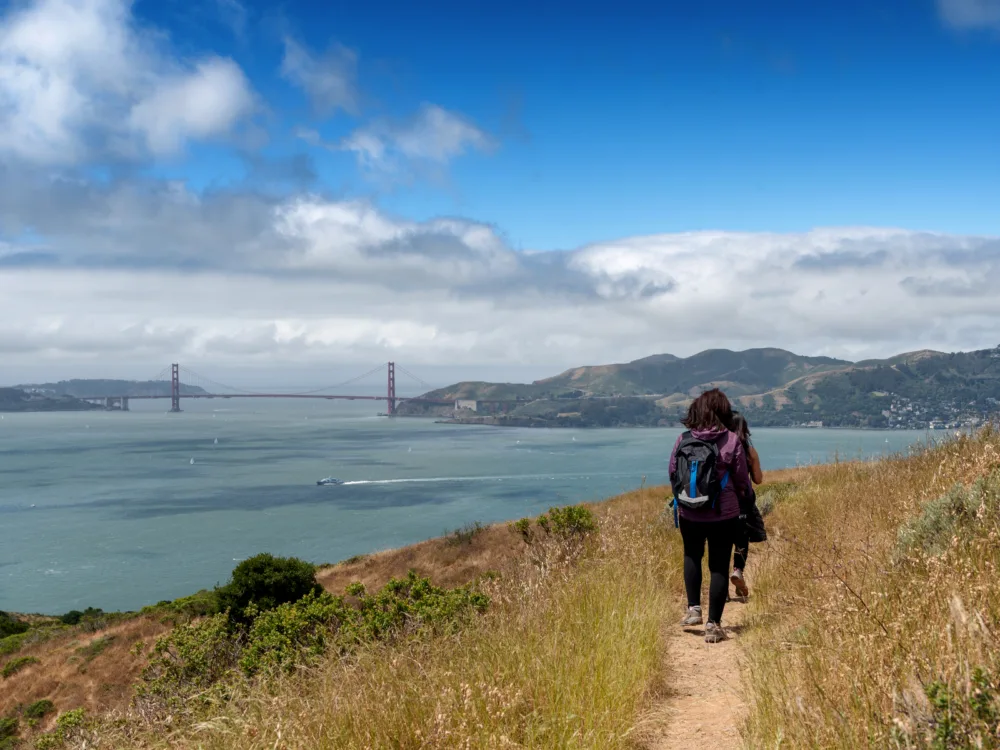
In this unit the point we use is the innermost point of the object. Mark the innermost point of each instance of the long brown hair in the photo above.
(711, 410)
(742, 429)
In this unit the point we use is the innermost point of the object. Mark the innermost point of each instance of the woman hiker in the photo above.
(708, 472)
(742, 542)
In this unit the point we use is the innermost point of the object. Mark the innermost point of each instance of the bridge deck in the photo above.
(268, 395)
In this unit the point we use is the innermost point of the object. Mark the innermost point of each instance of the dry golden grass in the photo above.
(847, 635)
(445, 563)
(568, 655)
(72, 677)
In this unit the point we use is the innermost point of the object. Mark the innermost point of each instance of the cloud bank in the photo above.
(126, 270)
(161, 274)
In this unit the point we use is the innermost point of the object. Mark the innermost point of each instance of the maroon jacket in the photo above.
(731, 459)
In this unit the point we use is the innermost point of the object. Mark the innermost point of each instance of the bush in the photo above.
(300, 631)
(8, 728)
(266, 582)
(75, 616)
(68, 725)
(771, 493)
(572, 520)
(189, 659)
(10, 625)
(523, 527)
(942, 518)
(960, 713)
(567, 522)
(8, 733)
(14, 666)
(12, 643)
(39, 709)
(293, 633)
(466, 534)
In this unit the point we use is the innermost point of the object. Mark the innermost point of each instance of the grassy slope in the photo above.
(568, 655)
(851, 629)
(848, 630)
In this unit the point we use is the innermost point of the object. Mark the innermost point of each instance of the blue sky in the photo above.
(635, 118)
(520, 188)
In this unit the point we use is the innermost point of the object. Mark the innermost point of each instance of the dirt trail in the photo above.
(705, 704)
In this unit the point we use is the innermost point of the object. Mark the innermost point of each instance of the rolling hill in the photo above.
(739, 373)
(14, 400)
(772, 386)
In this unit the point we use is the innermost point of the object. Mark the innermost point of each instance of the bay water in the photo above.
(119, 510)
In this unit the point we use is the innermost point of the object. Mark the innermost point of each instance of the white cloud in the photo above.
(310, 280)
(434, 135)
(208, 101)
(79, 79)
(329, 80)
(971, 13)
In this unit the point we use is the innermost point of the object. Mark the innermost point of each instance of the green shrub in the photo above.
(299, 631)
(571, 520)
(266, 582)
(75, 616)
(8, 728)
(15, 665)
(566, 522)
(67, 727)
(12, 643)
(293, 633)
(771, 493)
(190, 659)
(466, 534)
(931, 531)
(72, 617)
(10, 625)
(39, 709)
(8, 733)
(523, 527)
(962, 714)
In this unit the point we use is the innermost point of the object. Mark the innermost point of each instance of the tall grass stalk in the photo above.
(865, 619)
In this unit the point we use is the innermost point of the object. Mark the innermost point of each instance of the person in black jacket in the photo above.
(742, 543)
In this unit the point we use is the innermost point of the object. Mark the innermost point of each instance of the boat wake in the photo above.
(500, 478)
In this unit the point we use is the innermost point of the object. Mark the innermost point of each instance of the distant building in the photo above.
(466, 404)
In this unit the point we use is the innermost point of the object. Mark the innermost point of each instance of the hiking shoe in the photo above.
(741, 586)
(714, 633)
(693, 617)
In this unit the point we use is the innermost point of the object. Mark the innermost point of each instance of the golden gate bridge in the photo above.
(121, 402)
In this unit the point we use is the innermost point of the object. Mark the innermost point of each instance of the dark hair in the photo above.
(711, 410)
(742, 429)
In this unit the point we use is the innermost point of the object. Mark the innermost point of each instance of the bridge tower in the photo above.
(175, 388)
(391, 410)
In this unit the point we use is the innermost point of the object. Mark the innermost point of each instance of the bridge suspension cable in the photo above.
(217, 384)
(409, 374)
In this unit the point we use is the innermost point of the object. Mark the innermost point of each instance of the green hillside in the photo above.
(14, 399)
(750, 371)
(772, 386)
(916, 389)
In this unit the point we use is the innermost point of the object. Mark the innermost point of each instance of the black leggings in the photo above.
(741, 547)
(720, 536)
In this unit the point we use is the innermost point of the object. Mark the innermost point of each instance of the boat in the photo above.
(329, 480)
